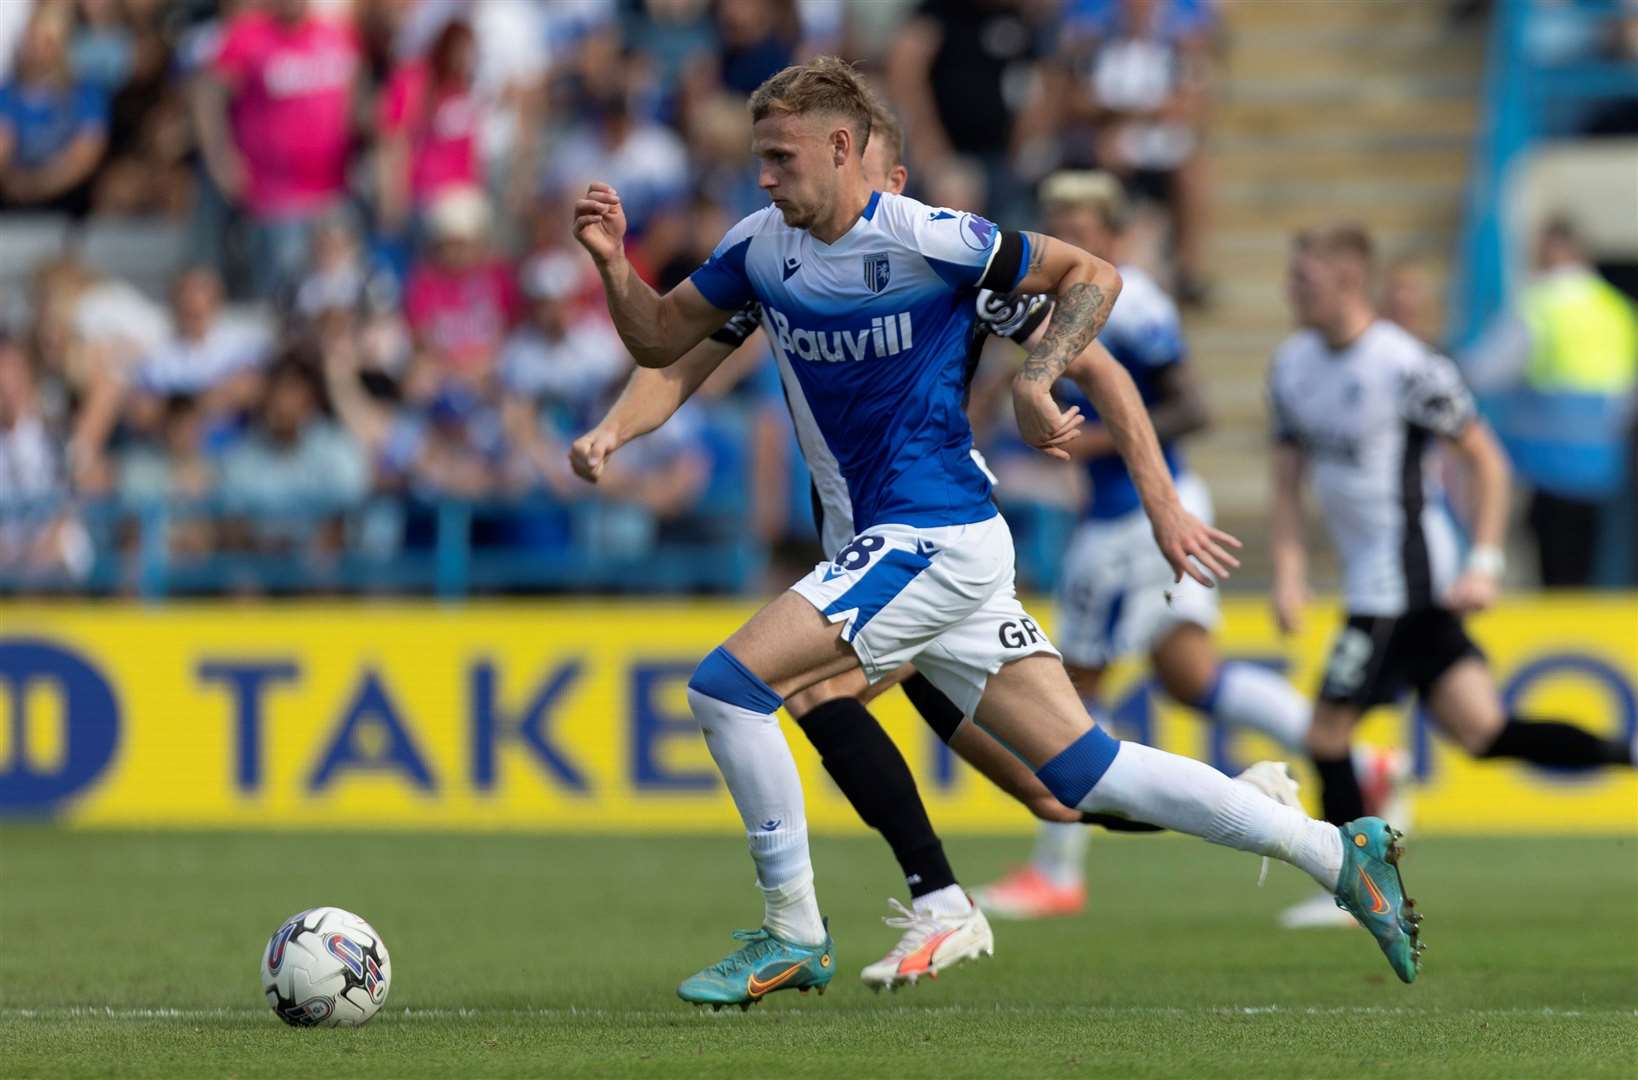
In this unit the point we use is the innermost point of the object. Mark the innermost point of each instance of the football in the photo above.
(325, 967)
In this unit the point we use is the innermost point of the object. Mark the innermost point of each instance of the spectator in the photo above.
(429, 123)
(559, 359)
(646, 490)
(461, 300)
(103, 50)
(274, 124)
(147, 170)
(207, 353)
(1410, 298)
(645, 161)
(1137, 90)
(509, 80)
(39, 536)
(548, 236)
(757, 38)
(14, 20)
(948, 70)
(53, 127)
(174, 470)
(296, 469)
(335, 276)
(1564, 363)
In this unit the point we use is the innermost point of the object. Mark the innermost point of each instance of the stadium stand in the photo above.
(466, 486)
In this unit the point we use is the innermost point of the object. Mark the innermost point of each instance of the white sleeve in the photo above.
(959, 246)
(1432, 395)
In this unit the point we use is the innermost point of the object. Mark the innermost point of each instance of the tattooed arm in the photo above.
(1085, 288)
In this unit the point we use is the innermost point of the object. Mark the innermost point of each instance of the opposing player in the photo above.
(942, 927)
(1362, 403)
(1116, 596)
(869, 299)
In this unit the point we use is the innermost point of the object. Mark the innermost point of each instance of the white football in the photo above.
(326, 967)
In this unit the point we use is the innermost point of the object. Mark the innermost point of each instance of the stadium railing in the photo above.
(443, 547)
(1532, 91)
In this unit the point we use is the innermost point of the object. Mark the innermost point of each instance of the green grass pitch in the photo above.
(135, 954)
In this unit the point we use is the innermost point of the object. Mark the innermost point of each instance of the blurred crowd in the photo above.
(353, 292)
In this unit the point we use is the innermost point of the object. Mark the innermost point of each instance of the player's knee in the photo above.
(803, 702)
(1086, 680)
(721, 680)
(1046, 807)
(1474, 730)
(1331, 733)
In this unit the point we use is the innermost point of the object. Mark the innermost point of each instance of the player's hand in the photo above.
(600, 223)
(1473, 591)
(1042, 423)
(1190, 544)
(1290, 601)
(589, 453)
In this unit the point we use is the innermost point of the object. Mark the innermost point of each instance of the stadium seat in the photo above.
(148, 252)
(26, 241)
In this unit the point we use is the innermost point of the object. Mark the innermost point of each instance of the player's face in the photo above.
(798, 165)
(1082, 226)
(1316, 288)
(881, 174)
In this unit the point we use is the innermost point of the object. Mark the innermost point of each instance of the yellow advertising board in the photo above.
(571, 715)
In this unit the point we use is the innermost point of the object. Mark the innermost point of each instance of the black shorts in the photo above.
(1376, 657)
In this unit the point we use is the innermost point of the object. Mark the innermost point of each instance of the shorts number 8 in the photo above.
(858, 553)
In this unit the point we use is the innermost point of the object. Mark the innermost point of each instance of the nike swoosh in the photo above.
(922, 959)
(789, 270)
(1378, 901)
(756, 987)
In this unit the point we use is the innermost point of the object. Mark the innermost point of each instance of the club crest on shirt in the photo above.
(877, 272)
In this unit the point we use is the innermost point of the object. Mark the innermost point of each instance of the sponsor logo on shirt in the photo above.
(886, 335)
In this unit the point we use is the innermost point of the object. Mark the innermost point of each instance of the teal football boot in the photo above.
(765, 963)
(1371, 890)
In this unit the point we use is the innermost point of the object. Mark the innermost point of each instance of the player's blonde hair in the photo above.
(1093, 189)
(825, 84)
(885, 126)
(1346, 238)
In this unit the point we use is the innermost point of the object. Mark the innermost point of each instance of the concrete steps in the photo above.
(1328, 110)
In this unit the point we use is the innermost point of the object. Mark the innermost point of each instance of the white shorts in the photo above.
(1111, 597)
(941, 597)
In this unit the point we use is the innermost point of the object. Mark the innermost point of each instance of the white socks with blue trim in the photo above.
(1254, 698)
(1060, 853)
(1191, 797)
(1096, 774)
(735, 710)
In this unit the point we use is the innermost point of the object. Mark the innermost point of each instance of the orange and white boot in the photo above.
(1026, 893)
(931, 943)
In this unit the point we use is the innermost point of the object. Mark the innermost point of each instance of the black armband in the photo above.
(1005, 263)
(740, 326)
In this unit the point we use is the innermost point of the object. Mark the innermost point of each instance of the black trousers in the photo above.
(1566, 532)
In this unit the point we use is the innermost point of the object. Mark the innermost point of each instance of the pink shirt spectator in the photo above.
(441, 126)
(464, 314)
(290, 87)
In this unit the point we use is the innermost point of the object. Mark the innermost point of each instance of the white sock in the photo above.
(1191, 797)
(950, 900)
(1060, 852)
(792, 911)
(756, 763)
(1253, 697)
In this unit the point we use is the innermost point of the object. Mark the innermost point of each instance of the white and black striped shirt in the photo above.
(1366, 417)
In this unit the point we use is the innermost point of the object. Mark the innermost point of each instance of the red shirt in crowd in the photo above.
(290, 88)
(464, 314)
(441, 124)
